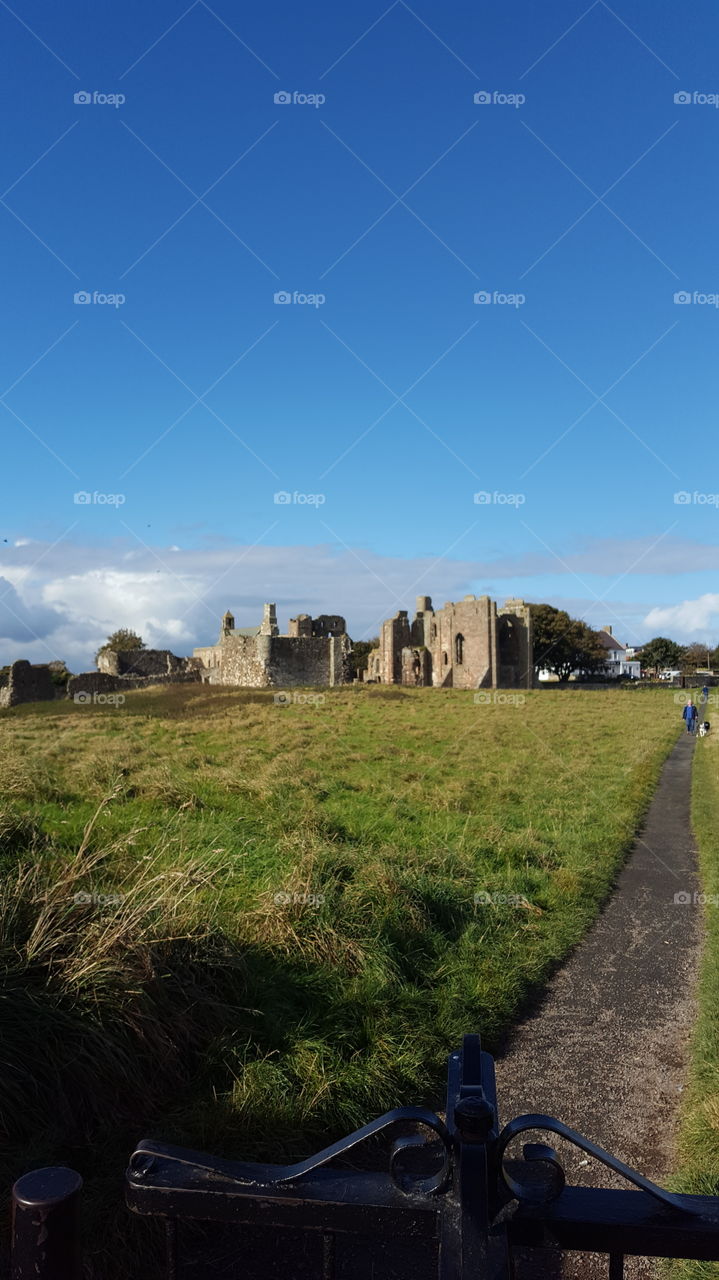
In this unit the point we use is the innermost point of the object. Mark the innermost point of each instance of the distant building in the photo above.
(618, 662)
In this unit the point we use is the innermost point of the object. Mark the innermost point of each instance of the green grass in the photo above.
(297, 944)
(699, 1134)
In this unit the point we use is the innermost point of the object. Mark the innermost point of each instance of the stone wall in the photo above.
(26, 683)
(244, 660)
(140, 662)
(463, 647)
(308, 660)
(327, 624)
(514, 645)
(91, 682)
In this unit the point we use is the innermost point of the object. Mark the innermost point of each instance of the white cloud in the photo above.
(62, 600)
(692, 619)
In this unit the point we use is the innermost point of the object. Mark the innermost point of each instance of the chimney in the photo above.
(607, 628)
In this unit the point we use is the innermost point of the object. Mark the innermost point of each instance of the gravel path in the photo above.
(606, 1051)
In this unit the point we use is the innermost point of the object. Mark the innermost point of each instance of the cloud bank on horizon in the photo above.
(62, 601)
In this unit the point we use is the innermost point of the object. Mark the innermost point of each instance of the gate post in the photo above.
(46, 1226)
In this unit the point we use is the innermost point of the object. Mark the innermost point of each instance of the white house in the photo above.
(618, 663)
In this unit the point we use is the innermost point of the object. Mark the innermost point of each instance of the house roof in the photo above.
(609, 641)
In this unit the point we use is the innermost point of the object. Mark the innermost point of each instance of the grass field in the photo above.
(699, 1139)
(251, 928)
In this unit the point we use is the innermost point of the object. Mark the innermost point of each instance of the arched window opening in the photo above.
(459, 649)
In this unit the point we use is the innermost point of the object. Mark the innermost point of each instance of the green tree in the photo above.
(661, 652)
(696, 655)
(122, 641)
(361, 650)
(563, 644)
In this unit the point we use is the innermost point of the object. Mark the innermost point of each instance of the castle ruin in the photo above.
(469, 645)
(315, 651)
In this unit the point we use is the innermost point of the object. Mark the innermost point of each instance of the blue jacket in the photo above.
(689, 713)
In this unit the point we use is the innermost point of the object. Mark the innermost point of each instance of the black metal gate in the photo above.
(450, 1203)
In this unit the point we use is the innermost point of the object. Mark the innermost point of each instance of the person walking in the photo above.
(690, 715)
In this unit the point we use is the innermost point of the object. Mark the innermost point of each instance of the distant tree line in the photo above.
(562, 645)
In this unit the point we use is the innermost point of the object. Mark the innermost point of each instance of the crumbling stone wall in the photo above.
(91, 682)
(327, 624)
(316, 652)
(140, 662)
(315, 660)
(26, 683)
(244, 660)
(417, 666)
(514, 645)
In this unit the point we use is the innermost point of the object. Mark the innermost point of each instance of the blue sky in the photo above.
(382, 407)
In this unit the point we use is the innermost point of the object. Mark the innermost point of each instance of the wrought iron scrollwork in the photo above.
(284, 1175)
(535, 1193)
